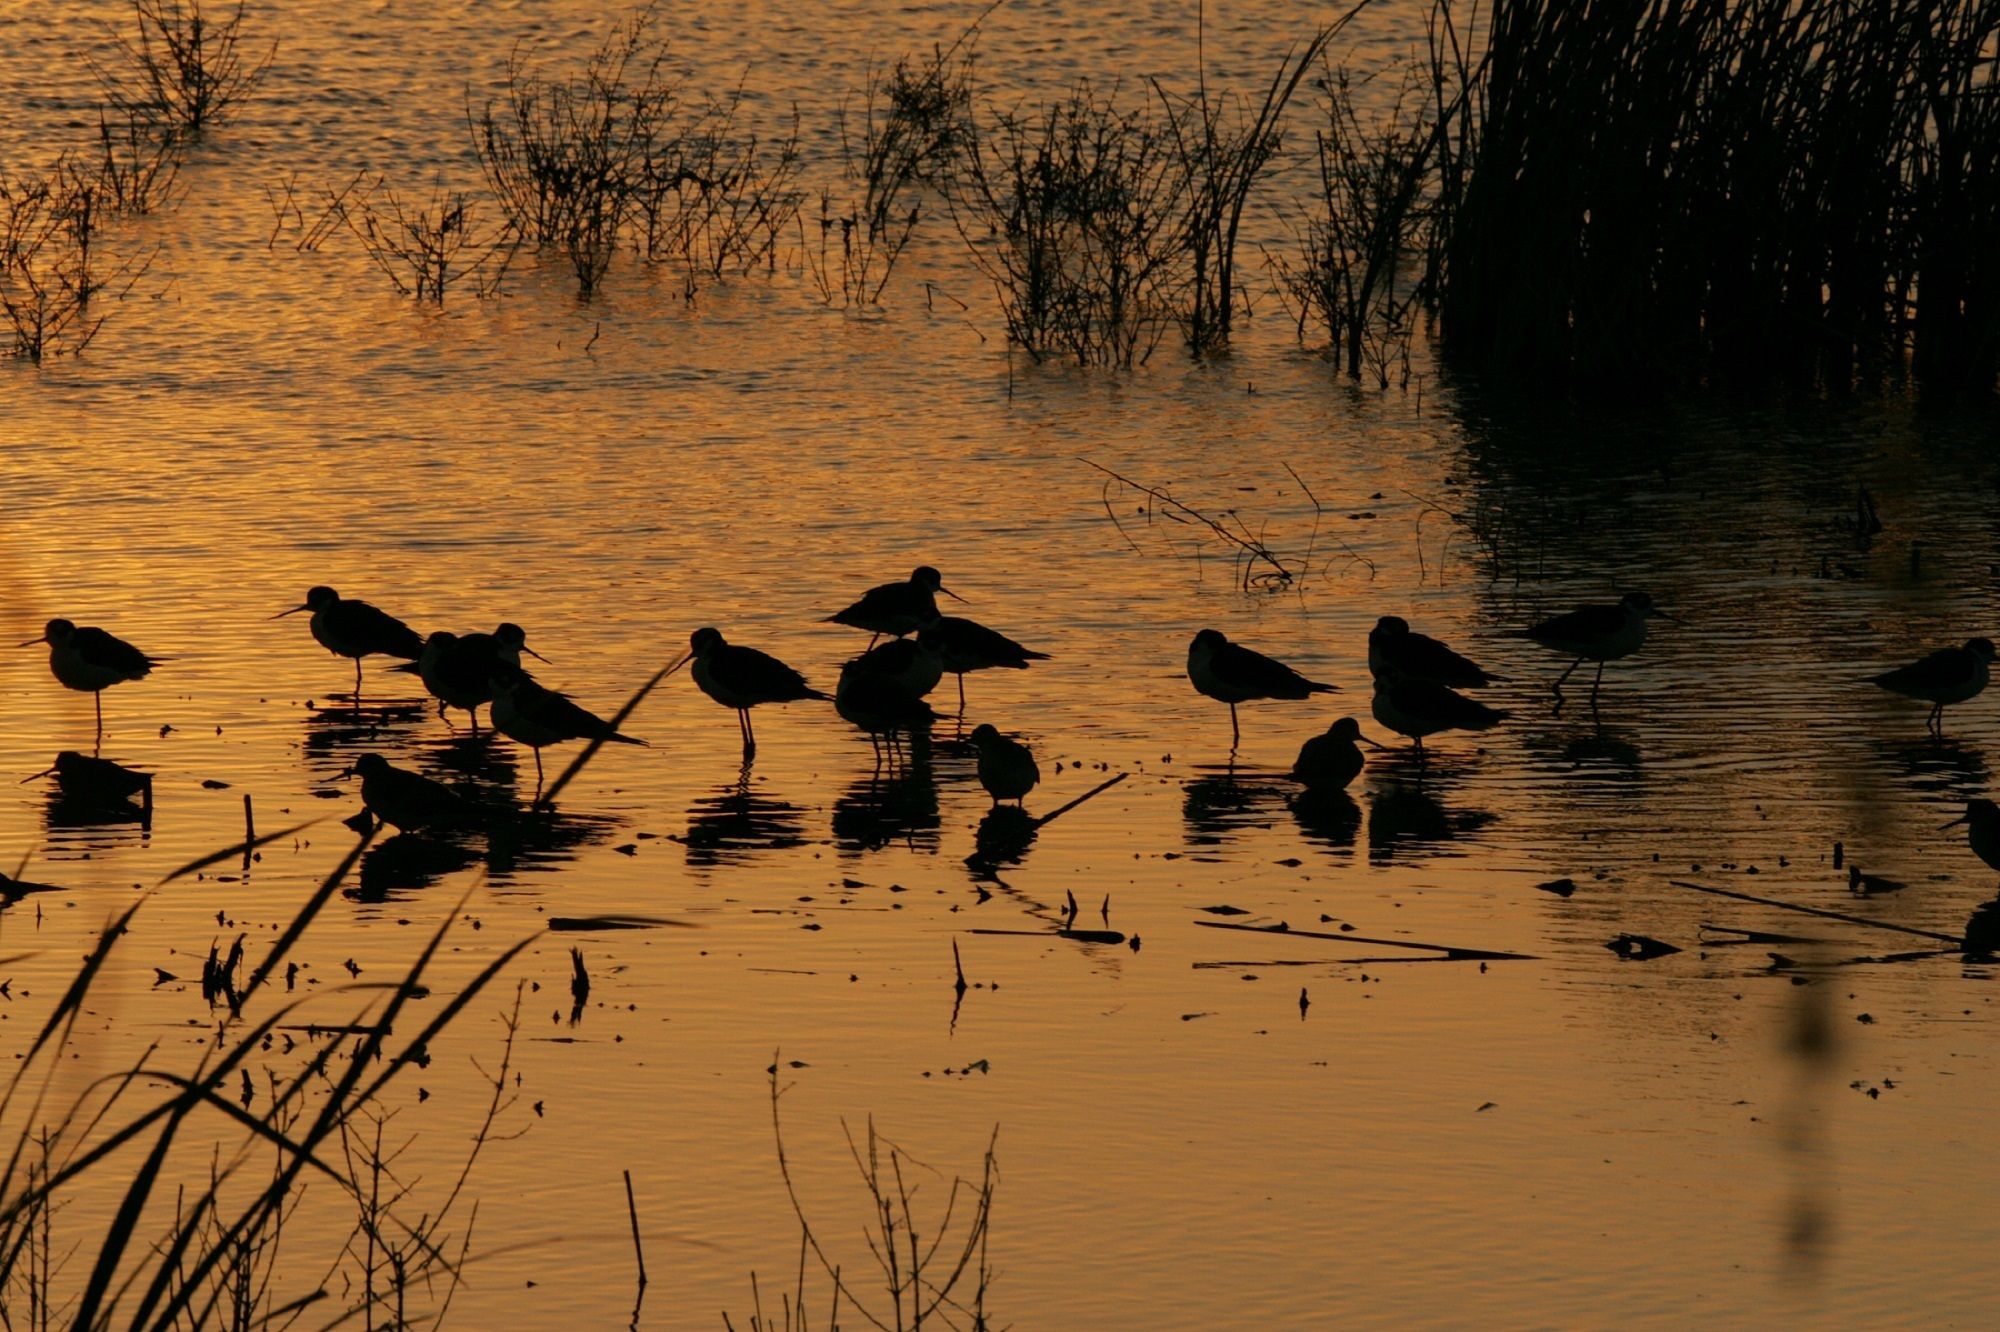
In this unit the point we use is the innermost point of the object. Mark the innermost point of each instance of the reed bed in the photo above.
(211, 1163)
(1640, 192)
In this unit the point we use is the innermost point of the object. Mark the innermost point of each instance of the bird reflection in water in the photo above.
(1001, 841)
(95, 794)
(1224, 802)
(734, 822)
(407, 862)
(898, 806)
(541, 840)
(1407, 820)
(1942, 767)
(338, 734)
(1329, 818)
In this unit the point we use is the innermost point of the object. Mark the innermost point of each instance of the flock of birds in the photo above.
(883, 691)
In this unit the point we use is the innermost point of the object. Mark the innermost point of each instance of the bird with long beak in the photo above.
(1332, 761)
(1982, 818)
(1599, 634)
(743, 678)
(458, 669)
(90, 660)
(411, 801)
(897, 609)
(350, 628)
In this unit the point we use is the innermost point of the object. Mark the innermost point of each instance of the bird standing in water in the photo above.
(537, 717)
(350, 628)
(1006, 766)
(1394, 649)
(1949, 675)
(742, 678)
(1332, 761)
(1983, 831)
(897, 609)
(1232, 674)
(458, 671)
(967, 645)
(1597, 633)
(1416, 709)
(89, 660)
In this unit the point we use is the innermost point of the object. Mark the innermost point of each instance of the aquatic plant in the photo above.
(1751, 191)
(196, 1237)
(425, 248)
(182, 70)
(934, 1270)
(54, 276)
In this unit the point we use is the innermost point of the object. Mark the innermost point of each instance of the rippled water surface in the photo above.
(1570, 1139)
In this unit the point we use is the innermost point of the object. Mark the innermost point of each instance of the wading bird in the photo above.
(90, 660)
(1416, 709)
(1597, 633)
(877, 704)
(1983, 831)
(907, 665)
(1394, 649)
(742, 678)
(98, 781)
(1949, 675)
(411, 801)
(458, 671)
(1006, 766)
(524, 710)
(967, 645)
(1232, 674)
(1332, 761)
(897, 609)
(350, 628)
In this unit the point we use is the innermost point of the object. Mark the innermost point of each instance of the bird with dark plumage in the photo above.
(458, 670)
(411, 801)
(967, 645)
(1597, 633)
(874, 701)
(1983, 831)
(1006, 766)
(1417, 709)
(1332, 761)
(742, 678)
(1949, 675)
(98, 781)
(905, 664)
(526, 711)
(89, 660)
(1231, 673)
(1397, 650)
(350, 628)
(897, 609)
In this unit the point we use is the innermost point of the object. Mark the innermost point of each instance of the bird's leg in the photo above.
(749, 735)
(1593, 688)
(98, 699)
(473, 712)
(961, 693)
(1557, 687)
(441, 717)
(538, 777)
(1235, 733)
(357, 682)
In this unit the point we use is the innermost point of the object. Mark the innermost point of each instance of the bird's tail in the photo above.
(618, 737)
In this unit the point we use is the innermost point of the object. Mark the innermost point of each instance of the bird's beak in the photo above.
(1963, 818)
(31, 642)
(343, 774)
(536, 655)
(953, 595)
(45, 772)
(1670, 619)
(293, 611)
(679, 662)
(1373, 744)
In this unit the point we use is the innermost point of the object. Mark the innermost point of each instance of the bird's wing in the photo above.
(114, 653)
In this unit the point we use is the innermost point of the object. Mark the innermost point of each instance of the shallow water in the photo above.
(1558, 1141)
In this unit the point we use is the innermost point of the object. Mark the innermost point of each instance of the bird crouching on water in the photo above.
(89, 660)
(1232, 674)
(1949, 675)
(350, 628)
(897, 609)
(412, 802)
(1597, 633)
(743, 678)
(1332, 761)
(1006, 766)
